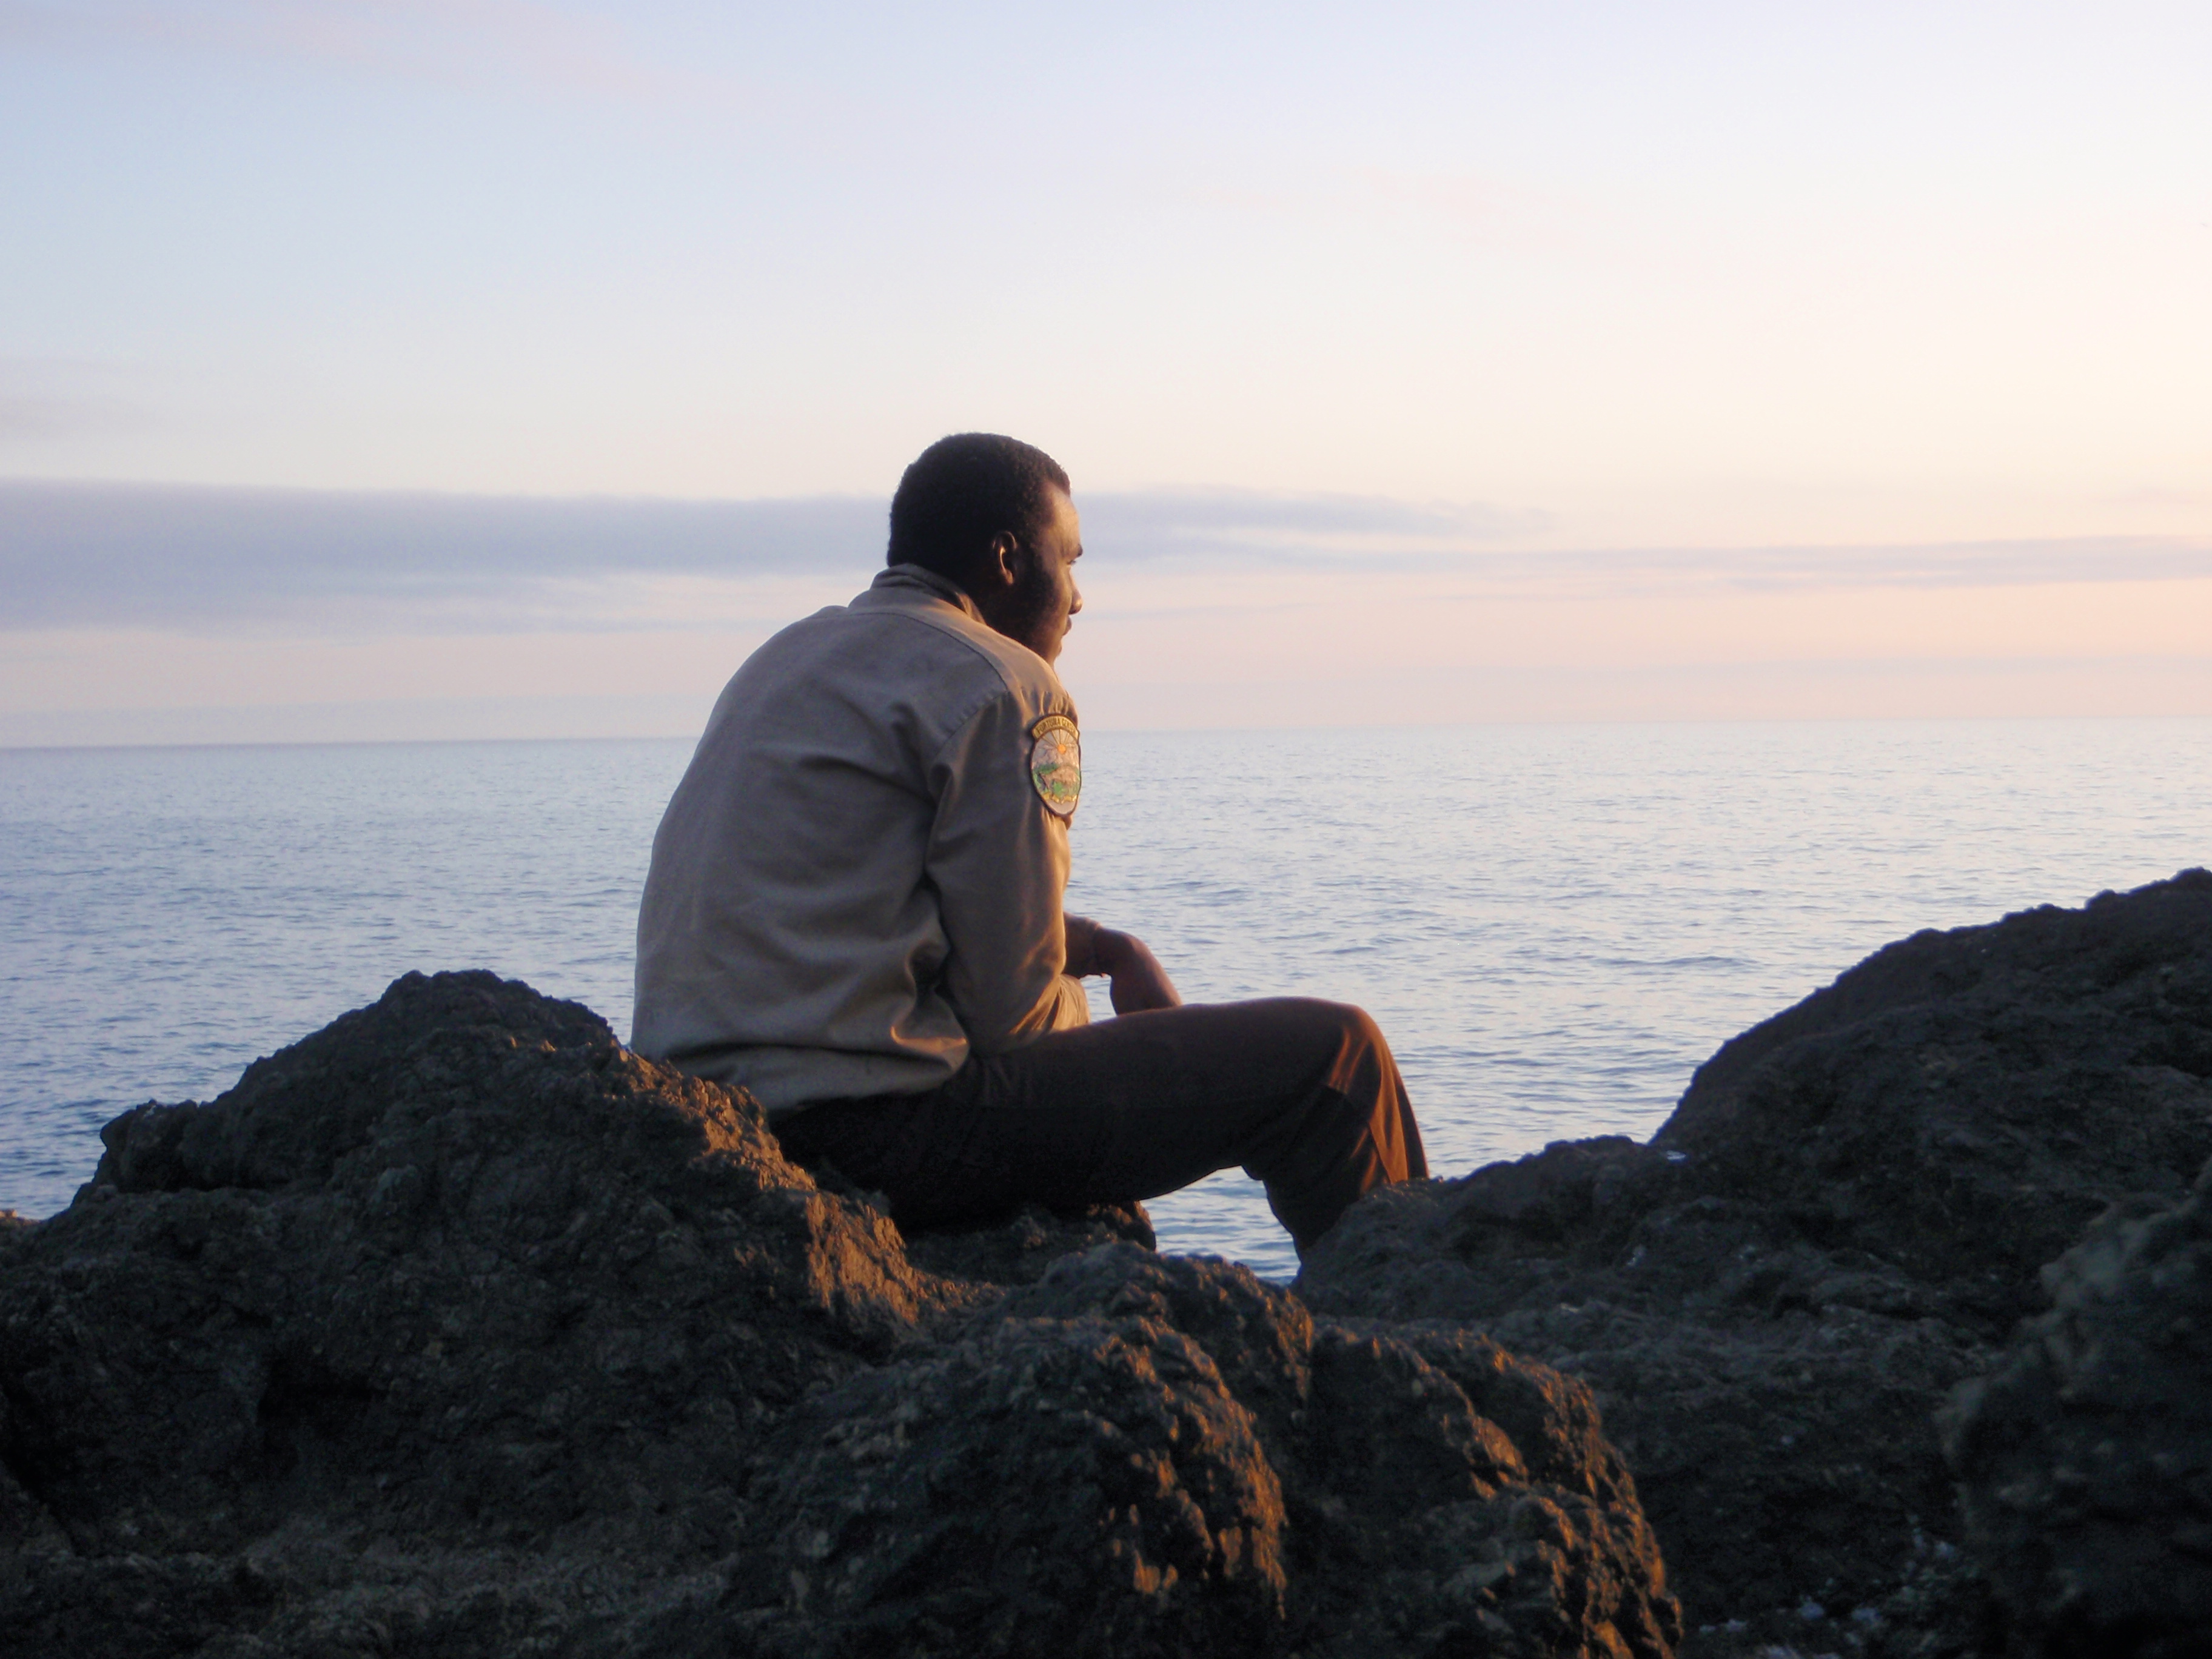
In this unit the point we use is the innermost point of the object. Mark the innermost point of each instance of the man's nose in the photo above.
(1074, 597)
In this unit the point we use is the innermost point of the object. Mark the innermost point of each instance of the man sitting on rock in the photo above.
(853, 909)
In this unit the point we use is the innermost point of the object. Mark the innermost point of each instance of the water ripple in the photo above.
(1555, 925)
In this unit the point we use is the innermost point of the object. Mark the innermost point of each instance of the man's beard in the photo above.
(1033, 604)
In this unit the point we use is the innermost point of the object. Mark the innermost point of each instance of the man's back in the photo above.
(854, 909)
(857, 879)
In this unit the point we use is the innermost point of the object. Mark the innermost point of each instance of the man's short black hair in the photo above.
(962, 491)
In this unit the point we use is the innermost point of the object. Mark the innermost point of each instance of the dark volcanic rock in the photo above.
(1139, 1456)
(1844, 1216)
(1017, 1249)
(456, 1328)
(2086, 1460)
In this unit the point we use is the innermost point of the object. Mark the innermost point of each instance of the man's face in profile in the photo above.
(1044, 597)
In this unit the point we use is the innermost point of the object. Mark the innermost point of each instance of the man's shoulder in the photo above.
(889, 641)
(930, 658)
(1014, 667)
(924, 601)
(912, 638)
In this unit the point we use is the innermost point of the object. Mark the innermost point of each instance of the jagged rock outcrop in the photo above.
(456, 1328)
(2086, 1459)
(1840, 1224)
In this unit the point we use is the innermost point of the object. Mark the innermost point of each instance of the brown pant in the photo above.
(1304, 1094)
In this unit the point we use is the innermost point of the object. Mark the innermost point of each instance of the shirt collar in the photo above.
(915, 577)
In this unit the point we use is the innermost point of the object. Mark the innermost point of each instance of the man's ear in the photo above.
(1002, 562)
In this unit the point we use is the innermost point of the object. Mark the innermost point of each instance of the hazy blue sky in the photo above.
(515, 367)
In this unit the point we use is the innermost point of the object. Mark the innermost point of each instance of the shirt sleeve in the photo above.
(997, 857)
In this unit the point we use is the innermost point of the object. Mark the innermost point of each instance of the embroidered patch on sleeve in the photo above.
(1056, 763)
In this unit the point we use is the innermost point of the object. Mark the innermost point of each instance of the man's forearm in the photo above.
(1140, 982)
(1082, 961)
(1093, 951)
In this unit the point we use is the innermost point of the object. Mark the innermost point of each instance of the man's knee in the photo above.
(1344, 1041)
(1365, 1074)
(1339, 1026)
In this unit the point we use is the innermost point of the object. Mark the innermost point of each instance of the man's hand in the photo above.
(1136, 979)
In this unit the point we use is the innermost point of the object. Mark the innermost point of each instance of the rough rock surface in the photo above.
(456, 1328)
(2086, 1460)
(1843, 1218)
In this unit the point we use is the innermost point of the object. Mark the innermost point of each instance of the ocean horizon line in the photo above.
(125, 746)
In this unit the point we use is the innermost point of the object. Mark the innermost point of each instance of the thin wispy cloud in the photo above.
(79, 556)
(44, 400)
(1260, 523)
(32, 417)
(1642, 572)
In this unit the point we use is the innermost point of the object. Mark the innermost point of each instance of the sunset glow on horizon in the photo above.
(503, 368)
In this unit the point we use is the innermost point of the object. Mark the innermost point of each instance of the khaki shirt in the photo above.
(859, 880)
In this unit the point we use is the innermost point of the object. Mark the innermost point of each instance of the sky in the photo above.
(488, 368)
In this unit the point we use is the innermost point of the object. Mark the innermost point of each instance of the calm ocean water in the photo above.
(1553, 924)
